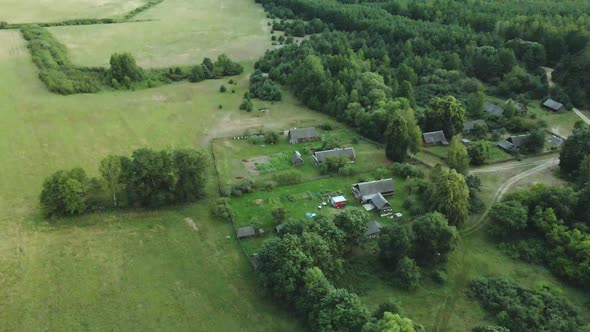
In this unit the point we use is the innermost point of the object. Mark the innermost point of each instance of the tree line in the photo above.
(146, 179)
(61, 76)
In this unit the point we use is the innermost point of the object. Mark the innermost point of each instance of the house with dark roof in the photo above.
(302, 135)
(435, 137)
(365, 190)
(382, 206)
(373, 230)
(514, 143)
(553, 105)
(321, 156)
(296, 159)
(470, 126)
(246, 232)
(492, 109)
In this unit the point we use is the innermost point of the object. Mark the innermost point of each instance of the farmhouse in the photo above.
(514, 143)
(373, 230)
(553, 106)
(470, 126)
(246, 232)
(492, 109)
(435, 137)
(303, 135)
(381, 205)
(320, 156)
(296, 159)
(338, 201)
(366, 190)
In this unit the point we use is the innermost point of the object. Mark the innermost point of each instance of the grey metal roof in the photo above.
(555, 140)
(470, 125)
(374, 187)
(435, 137)
(334, 153)
(373, 227)
(301, 133)
(492, 108)
(246, 232)
(518, 141)
(552, 104)
(380, 202)
(296, 157)
(505, 145)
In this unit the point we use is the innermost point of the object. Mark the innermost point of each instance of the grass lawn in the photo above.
(118, 271)
(299, 199)
(178, 32)
(231, 155)
(32, 11)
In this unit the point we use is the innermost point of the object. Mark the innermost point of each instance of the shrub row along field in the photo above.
(61, 76)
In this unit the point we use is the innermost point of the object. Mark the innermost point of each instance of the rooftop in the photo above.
(492, 109)
(246, 232)
(334, 153)
(552, 104)
(299, 133)
(373, 227)
(374, 187)
(435, 137)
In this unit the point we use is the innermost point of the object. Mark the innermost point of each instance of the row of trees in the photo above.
(147, 179)
(296, 269)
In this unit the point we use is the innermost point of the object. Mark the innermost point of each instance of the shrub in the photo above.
(222, 88)
(406, 171)
(222, 209)
(290, 177)
(409, 273)
(244, 187)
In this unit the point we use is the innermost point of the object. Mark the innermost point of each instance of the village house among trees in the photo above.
(303, 135)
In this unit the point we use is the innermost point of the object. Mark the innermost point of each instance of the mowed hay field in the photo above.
(124, 271)
(178, 32)
(35, 11)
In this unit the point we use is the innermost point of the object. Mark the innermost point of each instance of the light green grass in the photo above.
(118, 271)
(179, 32)
(31, 11)
(256, 208)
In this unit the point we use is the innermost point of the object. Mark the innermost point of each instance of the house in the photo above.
(320, 156)
(373, 230)
(514, 143)
(470, 126)
(365, 190)
(296, 159)
(382, 206)
(553, 106)
(246, 232)
(338, 201)
(302, 135)
(555, 140)
(492, 109)
(435, 137)
(466, 142)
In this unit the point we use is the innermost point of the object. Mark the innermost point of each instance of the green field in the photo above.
(30, 11)
(178, 32)
(118, 271)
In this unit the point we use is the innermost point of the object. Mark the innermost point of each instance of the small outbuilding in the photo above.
(435, 137)
(296, 159)
(373, 230)
(553, 105)
(513, 143)
(302, 135)
(338, 201)
(493, 109)
(246, 232)
(382, 206)
(320, 156)
(466, 142)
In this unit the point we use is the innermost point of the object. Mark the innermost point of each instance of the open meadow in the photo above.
(176, 32)
(29, 11)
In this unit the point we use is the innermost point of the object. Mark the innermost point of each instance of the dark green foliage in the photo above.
(536, 141)
(291, 177)
(353, 224)
(406, 171)
(408, 273)
(397, 139)
(333, 164)
(124, 69)
(396, 242)
(449, 195)
(478, 152)
(191, 169)
(391, 306)
(574, 150)
(572, 75)
(222, 209)
(66, 193)
(279, 215)
(222, 88)
(149, 4)
(445, 114)
(244, 187)
(264, 88)
(520, 309)
(434, 239)
(246, 104)
(490, 329)
(151, 178)
(508, 218)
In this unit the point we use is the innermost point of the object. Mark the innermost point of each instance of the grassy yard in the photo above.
(235, 157)
(31, 11)
(255, 208)
(177, 32)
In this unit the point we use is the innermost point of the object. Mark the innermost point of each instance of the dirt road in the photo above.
(581, 115)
